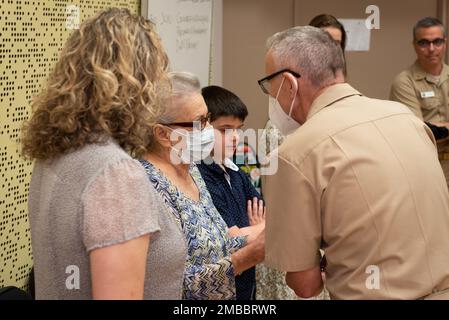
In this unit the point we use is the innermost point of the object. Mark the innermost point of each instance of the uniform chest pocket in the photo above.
(430, 103)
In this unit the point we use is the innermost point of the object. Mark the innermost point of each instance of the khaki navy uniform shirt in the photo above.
(352, 181)
(427, 98)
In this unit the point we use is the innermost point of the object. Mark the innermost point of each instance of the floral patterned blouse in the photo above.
(209, 273)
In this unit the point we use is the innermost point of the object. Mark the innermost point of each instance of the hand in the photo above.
(441, 124)
(260, 247)
(253, 232)
(250, 255)
(234, 231)
(256, 211)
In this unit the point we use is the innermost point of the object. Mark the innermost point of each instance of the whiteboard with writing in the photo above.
(185, 29)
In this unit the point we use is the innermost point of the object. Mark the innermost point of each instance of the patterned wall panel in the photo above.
(31, 36)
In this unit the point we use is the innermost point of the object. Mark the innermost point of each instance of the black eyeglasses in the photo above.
(265, 82)
(424, 43)
(204, 120)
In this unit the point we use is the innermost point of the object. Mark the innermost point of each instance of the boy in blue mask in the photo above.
(232, 192)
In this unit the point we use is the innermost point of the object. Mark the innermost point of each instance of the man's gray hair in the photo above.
(428, 22)
(183, 85)
(309, 51)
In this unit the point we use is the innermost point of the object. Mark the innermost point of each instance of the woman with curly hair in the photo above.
(92, 210)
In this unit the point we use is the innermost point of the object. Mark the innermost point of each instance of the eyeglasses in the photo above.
(204, 120)
(424, 43)
(265, 82)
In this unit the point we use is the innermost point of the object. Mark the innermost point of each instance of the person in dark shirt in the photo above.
(232, 192)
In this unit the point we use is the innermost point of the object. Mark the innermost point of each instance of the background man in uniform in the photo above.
(424, 87)
(350, 180)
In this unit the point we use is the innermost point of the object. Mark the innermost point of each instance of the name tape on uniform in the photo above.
(427, 94)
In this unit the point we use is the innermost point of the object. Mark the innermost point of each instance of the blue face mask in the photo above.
(195, 146)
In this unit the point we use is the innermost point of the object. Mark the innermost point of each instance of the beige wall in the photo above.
(247, 24)
(391, 46)
(216, 70)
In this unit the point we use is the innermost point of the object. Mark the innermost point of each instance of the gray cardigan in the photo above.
(91, 198)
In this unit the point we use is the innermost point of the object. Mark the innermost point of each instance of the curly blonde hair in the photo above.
(110, 81)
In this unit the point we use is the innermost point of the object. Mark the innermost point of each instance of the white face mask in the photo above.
(197, 146)
(282, 121)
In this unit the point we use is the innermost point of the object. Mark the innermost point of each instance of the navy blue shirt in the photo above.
(231, 202)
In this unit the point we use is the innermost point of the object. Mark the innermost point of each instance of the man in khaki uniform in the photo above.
(351, 181)
(424, 87)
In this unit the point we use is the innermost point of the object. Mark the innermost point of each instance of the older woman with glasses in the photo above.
(215, 254)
